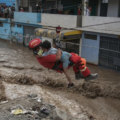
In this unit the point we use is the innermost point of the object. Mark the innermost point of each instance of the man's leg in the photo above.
(80, 65)
(78, 74)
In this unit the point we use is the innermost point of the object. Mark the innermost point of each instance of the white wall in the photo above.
(49, 39)
(91, 20)
(113, 7)
(66, 21)
(106, 24)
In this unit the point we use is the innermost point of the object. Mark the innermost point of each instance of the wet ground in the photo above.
(21, 74)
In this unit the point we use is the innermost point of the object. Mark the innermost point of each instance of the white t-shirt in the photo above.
(52, 51)
(88, 12)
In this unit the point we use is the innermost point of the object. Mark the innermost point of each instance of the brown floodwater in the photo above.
(22, 74)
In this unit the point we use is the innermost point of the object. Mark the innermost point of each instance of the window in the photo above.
(1, 24)
(90, 36)
(19, 26)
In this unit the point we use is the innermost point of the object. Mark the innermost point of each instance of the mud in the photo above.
(2, 92)
(19, 66)
(91, 89)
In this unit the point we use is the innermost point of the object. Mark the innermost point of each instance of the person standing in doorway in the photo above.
(87, 12)
(37, 8)
(90, 9)
(55, 10)
(21, 10)
(41, 10)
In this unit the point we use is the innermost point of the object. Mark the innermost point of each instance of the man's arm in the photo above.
(58, 55)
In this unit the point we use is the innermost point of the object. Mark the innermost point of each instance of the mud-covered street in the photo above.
(21, 74)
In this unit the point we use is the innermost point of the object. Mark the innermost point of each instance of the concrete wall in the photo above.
(18, 32)
(113, 7)
(91, 20)
(104, 24)
(90, 53)
(26, 17)
(5, 30)
(66, 21)
(14, 31)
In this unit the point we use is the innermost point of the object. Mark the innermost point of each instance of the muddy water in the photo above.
(19, 69)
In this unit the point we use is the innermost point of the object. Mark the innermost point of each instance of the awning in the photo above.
(64, 35)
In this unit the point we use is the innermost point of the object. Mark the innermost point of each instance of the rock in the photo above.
(36, 108)
(57, 118)
(45, 111)
(42, 115)
(32, 96)
(37, 118)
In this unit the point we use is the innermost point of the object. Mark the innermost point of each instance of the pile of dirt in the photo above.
(34, 109)
(88, 89)
(21, 79)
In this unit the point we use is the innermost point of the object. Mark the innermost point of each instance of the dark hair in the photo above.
(46, 44)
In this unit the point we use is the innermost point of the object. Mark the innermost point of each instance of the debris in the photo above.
(4, 102)
(39, 99)
(33, 112)
(33, 96)
(51, 106)
(36, 108)
(37, 118)
(45, 111)
(18, 111)
(17, 107)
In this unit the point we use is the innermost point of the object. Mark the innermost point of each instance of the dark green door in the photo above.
(94, 5)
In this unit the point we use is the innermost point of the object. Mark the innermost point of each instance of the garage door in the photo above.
(29, 34)
(109, 53)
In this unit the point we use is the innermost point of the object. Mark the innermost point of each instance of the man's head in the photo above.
(46, 45)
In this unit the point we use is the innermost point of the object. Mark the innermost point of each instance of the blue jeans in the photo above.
(65, 59)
